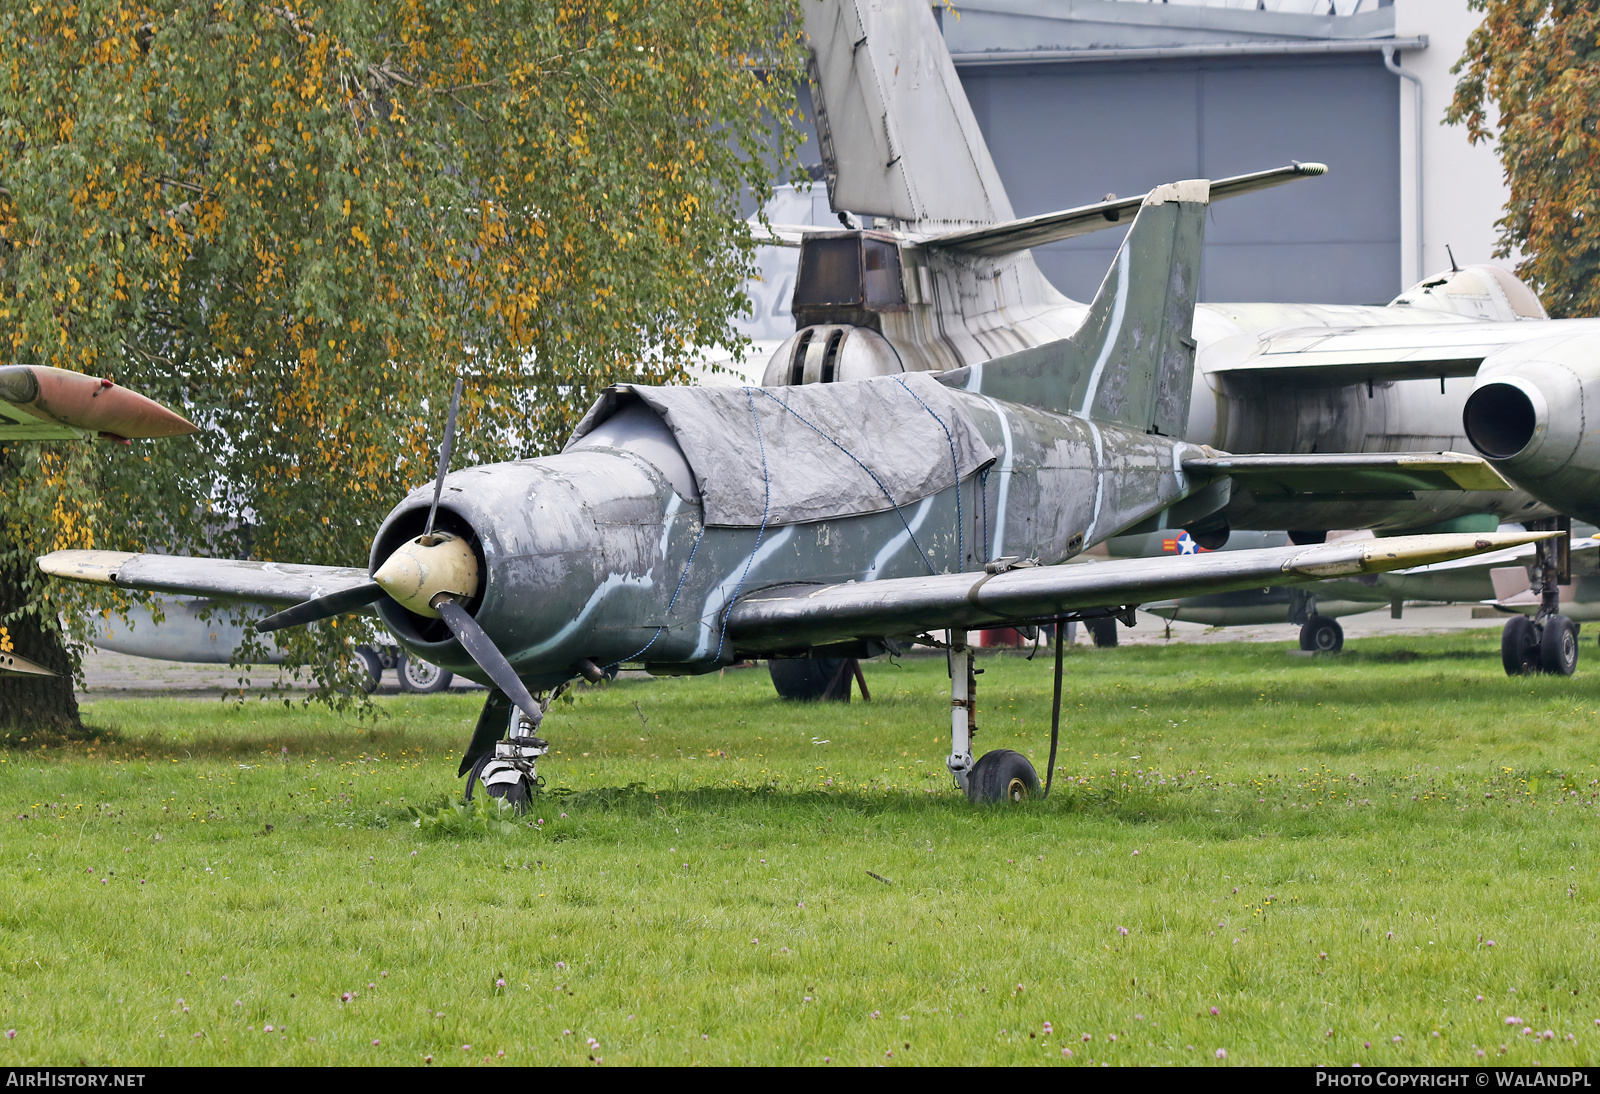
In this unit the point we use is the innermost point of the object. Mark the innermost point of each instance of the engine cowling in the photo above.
(1535, 414)
(829, 352)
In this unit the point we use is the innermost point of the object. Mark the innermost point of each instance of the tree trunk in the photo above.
(34, 702)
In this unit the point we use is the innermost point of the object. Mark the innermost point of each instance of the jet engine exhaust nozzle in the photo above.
(1503, 417)
(423, 569)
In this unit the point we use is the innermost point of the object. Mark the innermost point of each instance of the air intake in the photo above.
(1500, 420)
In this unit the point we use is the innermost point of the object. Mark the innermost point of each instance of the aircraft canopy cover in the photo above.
(848, 448)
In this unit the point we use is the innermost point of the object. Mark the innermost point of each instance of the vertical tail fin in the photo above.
(898, 136)
(1131, 363)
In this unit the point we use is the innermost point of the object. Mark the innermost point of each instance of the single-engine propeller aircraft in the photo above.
(39, 403)
(683, 529)
(944, 279)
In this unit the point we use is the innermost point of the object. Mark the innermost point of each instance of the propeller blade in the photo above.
(491, 727)
(309, 611)
(444, 456)
(481, 648)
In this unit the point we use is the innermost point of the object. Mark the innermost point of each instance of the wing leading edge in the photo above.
(223, 578)
(795, 617)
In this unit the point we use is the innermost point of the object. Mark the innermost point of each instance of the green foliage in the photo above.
(1322, 845)
(298, 222)
(482, 816)
(1535, 65)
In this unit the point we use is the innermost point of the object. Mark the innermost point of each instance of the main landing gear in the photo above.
(1548, 642)
(1003, 774)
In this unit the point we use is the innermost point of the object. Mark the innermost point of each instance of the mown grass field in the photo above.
(1380, 857)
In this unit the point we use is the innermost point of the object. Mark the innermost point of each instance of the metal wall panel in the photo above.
(1068, 134)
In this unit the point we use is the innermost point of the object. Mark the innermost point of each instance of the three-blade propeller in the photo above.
(429, 575)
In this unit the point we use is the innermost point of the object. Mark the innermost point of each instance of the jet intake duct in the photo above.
(1502, 418)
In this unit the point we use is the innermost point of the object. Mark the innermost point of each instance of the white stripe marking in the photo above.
(1117, 312)
(1099, 479)
(723, 590)
(614, 581)
(1005, 482)
(899, 540)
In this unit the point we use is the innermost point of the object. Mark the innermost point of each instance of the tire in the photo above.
(806, 679)
(369, 660)
(1104, 632)
(1519, 646)
(420, 677)
(1320, 634)
(1558, 647)
(1001, 776)
(517, 793)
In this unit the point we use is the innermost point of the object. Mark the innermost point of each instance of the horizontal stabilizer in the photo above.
(223, 578)
(1334, 473)
(1034, 231)
(793, 617)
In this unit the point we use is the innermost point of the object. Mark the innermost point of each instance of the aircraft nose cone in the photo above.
(419, 571)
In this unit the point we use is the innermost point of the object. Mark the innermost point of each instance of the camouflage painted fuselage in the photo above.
(594, 554)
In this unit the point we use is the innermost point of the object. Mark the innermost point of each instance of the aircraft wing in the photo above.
(226, 579)
(1322, 356)
(1018, 235)
(797, 616)
(1334, 473)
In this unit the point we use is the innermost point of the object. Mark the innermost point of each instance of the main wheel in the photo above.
(1320, 634)
(1519, 646)
(1002, 776)
(421, 677)
(369, 660)
(1104, 632)
(1558, 646)
(808, 679)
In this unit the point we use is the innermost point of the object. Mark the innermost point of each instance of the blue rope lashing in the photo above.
(955, 465)
(896, 505)
(684, 576)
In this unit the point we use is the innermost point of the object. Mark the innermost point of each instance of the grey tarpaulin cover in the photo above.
(870, 445)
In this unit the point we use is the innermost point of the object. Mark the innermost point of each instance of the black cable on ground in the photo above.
(1055, 709)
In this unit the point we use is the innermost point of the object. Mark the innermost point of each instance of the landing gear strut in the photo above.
(509, 772)
(1547, 643)
(1002, 775)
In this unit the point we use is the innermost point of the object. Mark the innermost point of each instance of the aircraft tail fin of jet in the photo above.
(898, 136)
(1131, 363)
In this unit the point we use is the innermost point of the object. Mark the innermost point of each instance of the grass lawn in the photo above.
(1381, 857)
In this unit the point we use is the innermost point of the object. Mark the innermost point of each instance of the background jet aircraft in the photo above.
(51, 404)
(943, 280)
(38, 403)
(873, 511)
